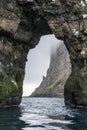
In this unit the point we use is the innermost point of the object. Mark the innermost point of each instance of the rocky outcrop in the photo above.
(68, 21)
(18, 33)
(59, 70)
(28, 20)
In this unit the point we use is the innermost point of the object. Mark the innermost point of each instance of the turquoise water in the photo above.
(43, 114)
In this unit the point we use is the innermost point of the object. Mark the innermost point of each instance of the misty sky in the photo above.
(38, 63)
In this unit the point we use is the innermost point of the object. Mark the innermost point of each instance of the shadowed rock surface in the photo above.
(59, 70)
(22, 23)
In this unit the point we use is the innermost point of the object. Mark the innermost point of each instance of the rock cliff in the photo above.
(20, 30)
(22, 23)
(59, 70)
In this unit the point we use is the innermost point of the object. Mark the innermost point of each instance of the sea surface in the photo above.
(43, 114)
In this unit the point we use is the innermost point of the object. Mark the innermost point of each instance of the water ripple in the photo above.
(43, 114)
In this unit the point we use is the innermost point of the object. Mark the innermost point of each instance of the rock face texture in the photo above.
(19, 31)
(22, 23)
(59, 70)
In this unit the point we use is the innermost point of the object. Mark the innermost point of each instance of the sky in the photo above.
(38, 63)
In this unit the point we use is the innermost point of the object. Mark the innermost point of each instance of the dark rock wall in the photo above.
(20, 29)
(68, 21)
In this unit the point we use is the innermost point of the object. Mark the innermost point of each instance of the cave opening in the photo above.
(48, 66)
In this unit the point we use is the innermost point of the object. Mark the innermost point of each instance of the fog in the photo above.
(38, 62)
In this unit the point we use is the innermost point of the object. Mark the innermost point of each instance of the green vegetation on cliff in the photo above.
(53, 84)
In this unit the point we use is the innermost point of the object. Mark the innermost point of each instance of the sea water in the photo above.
(42, 114)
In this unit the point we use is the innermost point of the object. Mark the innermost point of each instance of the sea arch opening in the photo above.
(45, 68)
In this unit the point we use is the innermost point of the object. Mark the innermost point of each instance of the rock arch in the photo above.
(21, 25)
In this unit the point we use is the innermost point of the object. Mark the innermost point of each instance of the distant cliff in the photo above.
(59, 70)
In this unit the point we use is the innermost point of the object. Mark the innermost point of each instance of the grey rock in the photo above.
(59, 70)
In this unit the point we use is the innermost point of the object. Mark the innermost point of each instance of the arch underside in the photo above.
(22, 23)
